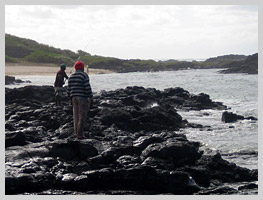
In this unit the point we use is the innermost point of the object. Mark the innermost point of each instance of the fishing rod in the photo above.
(79, 57)
(78, 60)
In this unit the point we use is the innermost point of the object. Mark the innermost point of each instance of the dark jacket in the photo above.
(59, 82)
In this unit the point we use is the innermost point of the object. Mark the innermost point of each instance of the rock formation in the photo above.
(228, 117)
(133, 146)
(12, 80)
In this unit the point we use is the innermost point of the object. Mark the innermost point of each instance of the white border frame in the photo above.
(136, 2)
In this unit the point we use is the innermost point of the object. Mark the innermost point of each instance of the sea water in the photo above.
(237, 142)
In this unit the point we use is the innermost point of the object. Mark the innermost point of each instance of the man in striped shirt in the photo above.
(81, 97)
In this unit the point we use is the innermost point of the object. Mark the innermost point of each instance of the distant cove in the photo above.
(23, 51)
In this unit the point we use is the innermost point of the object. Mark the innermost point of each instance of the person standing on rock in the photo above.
(59, 82)
(81, 97)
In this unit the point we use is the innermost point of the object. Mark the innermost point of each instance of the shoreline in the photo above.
(44, 70)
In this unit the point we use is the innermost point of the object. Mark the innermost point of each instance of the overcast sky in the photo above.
(142, 31)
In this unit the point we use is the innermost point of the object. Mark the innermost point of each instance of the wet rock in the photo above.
(99, 161)
(63, 149)
(19, 183)
(200, 175)
(248, 186)
(177, 91)
(81, 167)
(28, 180)
(128, 160)
(49, 162)
(86, 149)
(69, 149)
(219, 191)
(34, 134)
(118, 116)
(82, 183)
(228, 117)
(159, 163)
(179, 152)
(231, 117)
(225, 171)
(9, 126)
(132, 148)
(182, 99)
(160, 118)
(69, 177)
(144, 141)
(101, 178)
(14, 138)
(9, 80)
(175, 182)
(12, 80)
(149, 119)
(43, 93)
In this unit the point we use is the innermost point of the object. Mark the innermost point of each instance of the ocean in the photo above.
(237, 142)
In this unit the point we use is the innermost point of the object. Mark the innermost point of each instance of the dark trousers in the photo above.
(80, 111)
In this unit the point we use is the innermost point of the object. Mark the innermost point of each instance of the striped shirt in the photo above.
(79, 86)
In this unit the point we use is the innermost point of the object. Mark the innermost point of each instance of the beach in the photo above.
(43, 70)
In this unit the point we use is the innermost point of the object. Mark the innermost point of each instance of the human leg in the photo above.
(75, 114)
(56, 96)
(82, 115)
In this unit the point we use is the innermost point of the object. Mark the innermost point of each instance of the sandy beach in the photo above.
(43, 70)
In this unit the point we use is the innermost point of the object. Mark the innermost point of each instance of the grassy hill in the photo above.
(21, 50)
(25, 50)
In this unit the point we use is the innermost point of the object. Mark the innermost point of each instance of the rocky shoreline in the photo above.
(247, 66)
(133, 146)
(12, 80)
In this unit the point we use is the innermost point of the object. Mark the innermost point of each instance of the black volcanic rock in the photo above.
(12, 80)
(132, 148)
(43, 93)
(228, 117)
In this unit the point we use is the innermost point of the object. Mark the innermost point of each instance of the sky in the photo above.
(139, 31)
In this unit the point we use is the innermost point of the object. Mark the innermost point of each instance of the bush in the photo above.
(44, 57)
(10, 59)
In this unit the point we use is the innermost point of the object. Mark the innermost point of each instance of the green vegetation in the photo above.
(45, 57)
(9, 59)
(223, 61)
(19, 50)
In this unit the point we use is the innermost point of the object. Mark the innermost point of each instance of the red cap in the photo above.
(79, 65)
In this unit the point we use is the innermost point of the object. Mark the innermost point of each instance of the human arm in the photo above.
(65, 75)
(88, 87)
